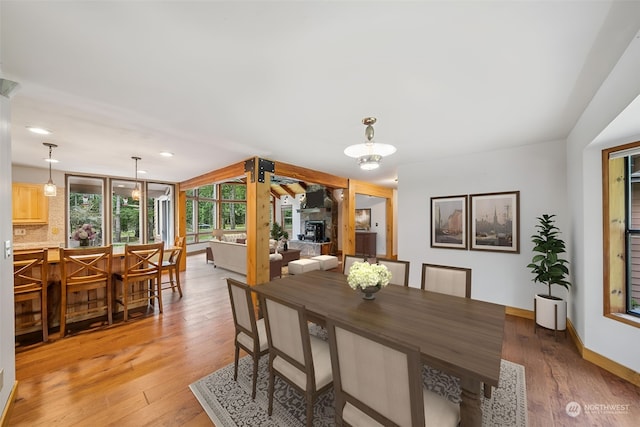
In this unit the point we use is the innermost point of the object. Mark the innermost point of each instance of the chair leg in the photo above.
(309, 410)
(43, 313)
(63, 312)
(235, 359)
(271, 386)
(178, 281)
(256, 358)
(159, 293)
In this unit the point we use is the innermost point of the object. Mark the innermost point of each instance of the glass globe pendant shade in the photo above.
(369, 154)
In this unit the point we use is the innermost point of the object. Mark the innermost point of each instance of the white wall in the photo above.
(7, 338)
(612, 339)
(537, 171)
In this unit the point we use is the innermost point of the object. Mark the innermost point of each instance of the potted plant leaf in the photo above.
(550, 269)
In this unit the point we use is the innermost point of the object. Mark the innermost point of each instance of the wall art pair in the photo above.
(482, 222)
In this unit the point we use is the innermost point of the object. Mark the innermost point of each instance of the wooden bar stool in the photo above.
(30, 269)
(85, 270)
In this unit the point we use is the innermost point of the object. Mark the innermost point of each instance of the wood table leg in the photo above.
(470, 407)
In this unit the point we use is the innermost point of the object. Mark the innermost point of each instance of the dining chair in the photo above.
(142, 277)
(348, 262)
(300, 359)
(377, 380)
(172, 265)
(30, 280)
(85, 269)
(445, 279)
(251, 334)
(399, 271)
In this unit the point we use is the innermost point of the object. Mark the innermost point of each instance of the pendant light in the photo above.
(369, 153)
(135, 194)
(50, 189)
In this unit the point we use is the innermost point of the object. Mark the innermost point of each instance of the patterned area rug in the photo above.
(228, 403)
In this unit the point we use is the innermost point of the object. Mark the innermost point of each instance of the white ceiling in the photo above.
(218, 82)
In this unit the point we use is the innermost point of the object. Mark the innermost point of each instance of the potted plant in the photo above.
(279, 234)
(550, 269)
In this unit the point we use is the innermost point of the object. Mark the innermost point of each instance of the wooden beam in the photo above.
(258, 221)
(310, 175)
(235, 170)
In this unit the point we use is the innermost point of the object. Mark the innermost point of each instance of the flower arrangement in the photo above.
(86, 232)
(363, 275)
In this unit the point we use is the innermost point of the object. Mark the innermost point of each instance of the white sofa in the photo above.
(229, 255)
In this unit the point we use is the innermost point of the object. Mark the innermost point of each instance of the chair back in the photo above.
(349, 260)
(143, 262)
(448, 280)
(288, 335)
(399, 271)
(30, 269)
(86, 266)
(244, 317)
(375, 378)
(30, 279)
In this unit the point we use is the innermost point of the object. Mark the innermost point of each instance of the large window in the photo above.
(119, 219)
(621, 189)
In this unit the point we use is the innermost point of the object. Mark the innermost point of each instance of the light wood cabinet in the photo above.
(30, 206)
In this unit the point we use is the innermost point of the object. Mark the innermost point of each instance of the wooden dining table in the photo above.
(459, 336)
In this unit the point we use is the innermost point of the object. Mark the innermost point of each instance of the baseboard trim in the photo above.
(591, 356)
(6, 412)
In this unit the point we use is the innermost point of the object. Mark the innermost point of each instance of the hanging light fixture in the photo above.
(50, 189)
(369, 153)
(135, 194)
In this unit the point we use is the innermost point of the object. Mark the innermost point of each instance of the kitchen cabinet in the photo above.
(30, 205)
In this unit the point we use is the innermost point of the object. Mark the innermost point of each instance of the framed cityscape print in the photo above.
(363, 219)
(449, 222)
(495, 222)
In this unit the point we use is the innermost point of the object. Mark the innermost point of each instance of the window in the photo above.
(85, 206)
(287, 219)
(621, 190)
(233, 207)
(119, 219)
(126, 214)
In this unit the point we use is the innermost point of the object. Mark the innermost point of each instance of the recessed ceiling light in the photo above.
(48, 160)
(39, 131)
(141, 172)
(166, 154)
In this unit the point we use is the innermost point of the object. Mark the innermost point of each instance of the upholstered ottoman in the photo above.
(304, 265)
(327, 262)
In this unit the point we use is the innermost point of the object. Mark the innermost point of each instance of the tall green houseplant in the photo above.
(547, 266)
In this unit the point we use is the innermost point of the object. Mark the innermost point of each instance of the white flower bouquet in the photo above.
(363, 275)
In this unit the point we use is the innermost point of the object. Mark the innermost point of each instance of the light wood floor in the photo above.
(138, 373)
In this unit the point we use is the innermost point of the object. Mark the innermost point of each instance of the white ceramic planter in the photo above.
(546, 313)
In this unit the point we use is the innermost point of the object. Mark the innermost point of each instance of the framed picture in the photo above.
(495, 222)
(363, 219)
(449, 222)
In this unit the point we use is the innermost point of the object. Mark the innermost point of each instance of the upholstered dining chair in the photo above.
(298, 358)
(171, 265)
(399, 271)
(378, 381)
(30, 280)
(348, 262)
(445, 279)
(142, 276)
(251, 334)
(85, 269)
(449, 280)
